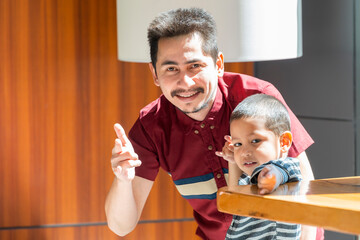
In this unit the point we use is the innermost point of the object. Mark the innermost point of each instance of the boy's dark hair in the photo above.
(266, 107)
(183, 21)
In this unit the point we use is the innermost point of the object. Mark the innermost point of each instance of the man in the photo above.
(182, 129)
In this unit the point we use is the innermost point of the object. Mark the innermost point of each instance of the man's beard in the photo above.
(197, 109)
(204, 105)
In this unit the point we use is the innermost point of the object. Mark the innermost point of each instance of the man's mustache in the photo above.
(180, 91)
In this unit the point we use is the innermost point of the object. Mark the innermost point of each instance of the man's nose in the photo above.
(186, 80)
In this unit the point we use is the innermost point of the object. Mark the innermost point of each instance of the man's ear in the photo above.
(154, 75)
(285, 141)
(220, 64)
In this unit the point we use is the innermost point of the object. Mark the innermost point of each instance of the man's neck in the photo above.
(199, 116)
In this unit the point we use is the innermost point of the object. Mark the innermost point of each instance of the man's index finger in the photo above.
(120, 132)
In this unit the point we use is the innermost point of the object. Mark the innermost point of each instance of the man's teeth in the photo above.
(189, 95)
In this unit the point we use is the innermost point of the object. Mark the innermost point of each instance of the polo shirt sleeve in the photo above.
(301, 138)
(145, 149)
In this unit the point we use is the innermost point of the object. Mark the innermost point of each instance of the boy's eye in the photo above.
(237, 144)
(255, 141)
(196, 65)
(171, 69)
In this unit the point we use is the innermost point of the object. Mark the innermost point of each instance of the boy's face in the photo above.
(187, 77)
(253, 143)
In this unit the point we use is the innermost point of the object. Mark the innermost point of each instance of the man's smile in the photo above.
(187, 94)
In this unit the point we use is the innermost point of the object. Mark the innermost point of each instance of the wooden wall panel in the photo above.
(61, 90)
(148, 231)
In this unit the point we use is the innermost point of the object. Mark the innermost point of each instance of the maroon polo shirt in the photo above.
(165, 137)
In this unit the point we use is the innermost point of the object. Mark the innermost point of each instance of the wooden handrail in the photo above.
(333, 204)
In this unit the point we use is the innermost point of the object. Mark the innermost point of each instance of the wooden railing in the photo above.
(333, 204)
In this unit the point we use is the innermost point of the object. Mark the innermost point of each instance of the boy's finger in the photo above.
(219, 154)
(263, 191)
(227, 138)
(230, 147)
(263, 172)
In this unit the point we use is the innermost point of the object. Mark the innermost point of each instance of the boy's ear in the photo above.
(285, 141)
(154, 75)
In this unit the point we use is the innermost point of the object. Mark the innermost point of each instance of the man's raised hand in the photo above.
(123, 159)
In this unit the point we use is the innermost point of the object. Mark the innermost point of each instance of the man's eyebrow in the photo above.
(193, 61)
(168, 62)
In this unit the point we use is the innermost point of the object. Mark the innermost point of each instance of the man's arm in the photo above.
(125, 202)
(128, 193)
(305, 167)
(307, 232)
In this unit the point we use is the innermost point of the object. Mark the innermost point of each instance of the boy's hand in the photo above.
(123, 159)
(269, 179)
(227, 150)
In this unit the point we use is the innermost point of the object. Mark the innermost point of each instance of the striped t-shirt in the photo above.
(247, 228)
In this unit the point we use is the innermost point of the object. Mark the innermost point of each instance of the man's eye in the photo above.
(195, 66)
(171, 69)
(237, 144)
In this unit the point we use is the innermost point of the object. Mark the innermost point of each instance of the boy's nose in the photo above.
(246, 153)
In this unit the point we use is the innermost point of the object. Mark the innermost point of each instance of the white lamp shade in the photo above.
(248, 30)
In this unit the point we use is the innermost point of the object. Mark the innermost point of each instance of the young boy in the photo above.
(261, 138)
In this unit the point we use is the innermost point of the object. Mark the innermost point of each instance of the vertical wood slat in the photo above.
(61, 90)
(148, 231)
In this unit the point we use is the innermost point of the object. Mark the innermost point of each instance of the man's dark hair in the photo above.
(266, 107)
(183, 21)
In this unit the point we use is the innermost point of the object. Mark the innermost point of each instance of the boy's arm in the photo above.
(228, 154)
(234, 174)
(275, 172)
(270, 178)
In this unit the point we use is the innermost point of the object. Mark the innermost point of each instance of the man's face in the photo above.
(187, 77)
(253, 143)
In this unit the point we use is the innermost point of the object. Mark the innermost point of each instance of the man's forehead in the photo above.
(180, 53)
